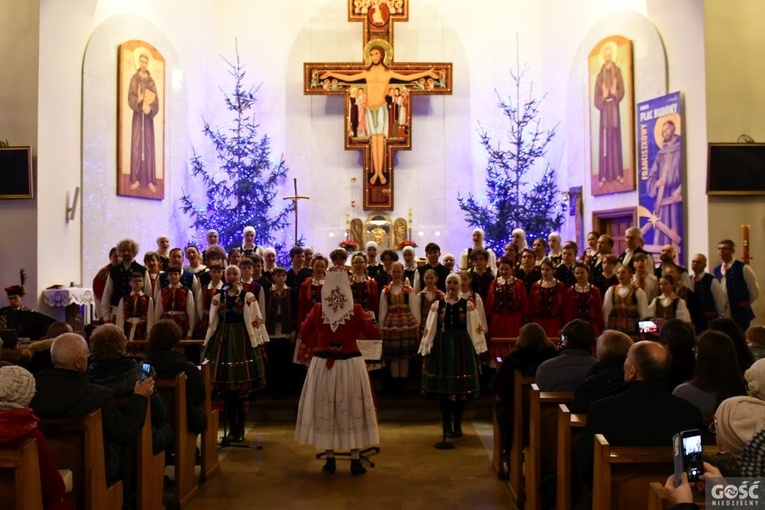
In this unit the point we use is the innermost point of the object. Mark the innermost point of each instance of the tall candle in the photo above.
(745, 234)
(410, 217)
(347, 219)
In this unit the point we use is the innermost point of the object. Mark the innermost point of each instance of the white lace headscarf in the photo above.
(336, 298)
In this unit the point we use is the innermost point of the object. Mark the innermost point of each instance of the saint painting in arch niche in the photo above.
(373, 105)
(141, 121)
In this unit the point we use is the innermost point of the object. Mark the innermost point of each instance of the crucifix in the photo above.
(295, 199)
(378, 95)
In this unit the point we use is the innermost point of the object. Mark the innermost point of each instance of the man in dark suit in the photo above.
(644, 414)
(739, 284)
(634, 239)
(65, 392)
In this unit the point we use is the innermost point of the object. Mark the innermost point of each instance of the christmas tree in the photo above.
(240, 189)
(512, 198)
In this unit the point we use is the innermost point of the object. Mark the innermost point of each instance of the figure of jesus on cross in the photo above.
(377, 77)
(378, 95)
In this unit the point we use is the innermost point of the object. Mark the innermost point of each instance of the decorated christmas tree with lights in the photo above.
(241, 187)
(512, 198)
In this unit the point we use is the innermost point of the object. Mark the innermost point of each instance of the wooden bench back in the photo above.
(569, 485)
(78, 444)
(543, 439)
(622, 474)
(173, 392)
(20, 486)
(520, 440)
(210, 461)
(149, 468)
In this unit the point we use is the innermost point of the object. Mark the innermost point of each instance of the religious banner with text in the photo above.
(660, 164)
(378, 94)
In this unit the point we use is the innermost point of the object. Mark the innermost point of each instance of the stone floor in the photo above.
(409, 473)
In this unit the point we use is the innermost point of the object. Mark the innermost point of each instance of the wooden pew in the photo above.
(78, 444)
(541, 455)
(173, 392)
(621, 474)
(20, 486)
(521, 391)
(149, 468)
(210, 462)
(570, 487)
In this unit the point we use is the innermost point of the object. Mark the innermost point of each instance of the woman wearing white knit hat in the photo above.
(18, 424)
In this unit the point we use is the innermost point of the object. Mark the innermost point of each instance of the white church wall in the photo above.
(668, 56)
(735, 103)
(18, 125)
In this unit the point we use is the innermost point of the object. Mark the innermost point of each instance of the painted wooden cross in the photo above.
(378, 94)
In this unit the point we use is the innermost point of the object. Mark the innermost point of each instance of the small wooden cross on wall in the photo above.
(378, 94)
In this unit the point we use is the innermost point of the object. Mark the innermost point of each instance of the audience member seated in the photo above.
(168, 363)
(734, 332)
(606, 377)
(110, 368)
(755, 380)
(680, 339)
(18, 424)
(39, 351)
(644, 414)
(717, 374)
(533, 347)
(570, 367)
(65, 392)
(9, 349)
(737, 420)
(755, 340)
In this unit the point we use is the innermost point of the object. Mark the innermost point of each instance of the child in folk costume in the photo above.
(583, 300)
(643, 278)
(204, 298)
(337, 410)
(400, 326)
(607, 278)
(466, 291)
(308, 296)
(507, 303)
(668, 305)
(546, 300)
(231, 344)
(624, 305)
(247, 267)
(176, 302)
(363, 288)
(410, 268)
(429, 295)
(481, 274)
(135, 313)
(528, 272)
(281, 331)
(154, 268)
(452, 340)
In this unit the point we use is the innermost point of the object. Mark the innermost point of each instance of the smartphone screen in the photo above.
(692, 455)
(647, 327)
(145, 371)
(688, 455)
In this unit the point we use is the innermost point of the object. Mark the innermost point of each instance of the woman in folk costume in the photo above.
(668, 305)
(491, 260)
(236, 331)
(624, 305)
(583, 300)
(309, 295)
(453, 337)
(546, 300)
(428, 295)
(507, 302)
(400, 327)
(336, 408)
(364, 289)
